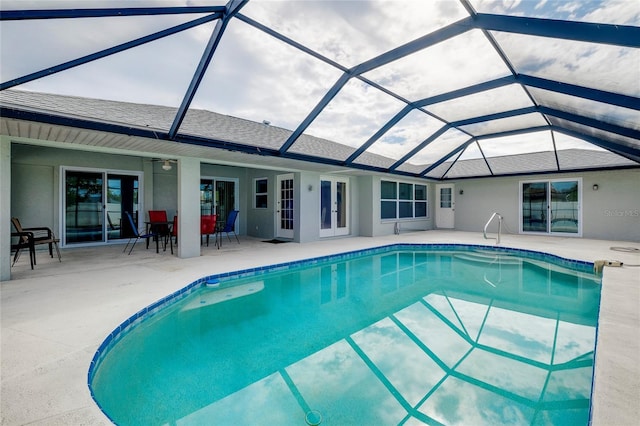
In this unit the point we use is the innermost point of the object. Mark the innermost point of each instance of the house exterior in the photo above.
(435, 120)
(79, 181)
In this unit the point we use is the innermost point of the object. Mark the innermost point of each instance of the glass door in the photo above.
(122, 196)
(94, 205)
(285, 206)
(535, 206)
(564, 207)
(225, 199)
(206, 197)
(551, 207)
(333, 207)
(218, 196)
(83, 212)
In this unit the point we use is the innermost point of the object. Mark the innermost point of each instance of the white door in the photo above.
(445, 206)
(284, 208)
(334, 206)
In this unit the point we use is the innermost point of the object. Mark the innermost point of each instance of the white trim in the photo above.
(255, 193)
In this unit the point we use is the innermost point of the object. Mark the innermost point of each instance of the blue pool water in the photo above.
(404, 334)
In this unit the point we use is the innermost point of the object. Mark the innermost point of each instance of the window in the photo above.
(400, 200)
(260, 189)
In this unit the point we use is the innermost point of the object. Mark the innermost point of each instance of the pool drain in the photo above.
(313, 418)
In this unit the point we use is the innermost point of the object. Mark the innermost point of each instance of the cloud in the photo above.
(503, 98)
(355, 114)
(412, 130)
(574, 62)
(599, 11)
(257, 77)
(462, 61)
(156, 72)
(517, 144)
(440, 147)
(351, 32)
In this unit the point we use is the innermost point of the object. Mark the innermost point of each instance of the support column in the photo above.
(188, 208)
(5, 209)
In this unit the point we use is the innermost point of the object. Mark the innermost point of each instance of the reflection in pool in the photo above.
(402, 335)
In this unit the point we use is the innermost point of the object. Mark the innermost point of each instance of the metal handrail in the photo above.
(499, 226)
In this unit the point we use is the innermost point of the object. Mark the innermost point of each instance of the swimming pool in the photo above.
(402, 334)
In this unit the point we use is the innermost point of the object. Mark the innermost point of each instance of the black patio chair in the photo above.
(136, 234)
(39, 235)
(20, 241)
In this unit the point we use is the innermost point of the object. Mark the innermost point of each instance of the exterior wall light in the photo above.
(595, 186)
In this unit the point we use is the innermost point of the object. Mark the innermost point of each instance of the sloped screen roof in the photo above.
(437, 89)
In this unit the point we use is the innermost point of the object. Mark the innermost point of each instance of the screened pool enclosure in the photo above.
(435, 89)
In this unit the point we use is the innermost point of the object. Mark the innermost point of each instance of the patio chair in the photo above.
(136, 234)
(39, 235)
(208, 227)
(174, 230)
(230, 226)
(159, 226)
(22, 240)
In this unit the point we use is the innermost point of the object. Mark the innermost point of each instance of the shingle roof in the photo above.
(432, 93)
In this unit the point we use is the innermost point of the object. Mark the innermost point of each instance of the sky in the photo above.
(258, 77)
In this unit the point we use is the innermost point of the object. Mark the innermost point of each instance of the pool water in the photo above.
(407, 335)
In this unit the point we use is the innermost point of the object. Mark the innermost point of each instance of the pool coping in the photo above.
(54, 317)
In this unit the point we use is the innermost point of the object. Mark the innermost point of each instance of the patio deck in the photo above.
(54, 318)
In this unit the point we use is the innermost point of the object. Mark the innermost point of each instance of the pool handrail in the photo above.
(499, 227)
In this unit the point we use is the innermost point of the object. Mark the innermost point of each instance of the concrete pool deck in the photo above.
(55, 317)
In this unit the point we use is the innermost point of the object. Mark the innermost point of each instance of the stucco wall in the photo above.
(307, 216)
(261, 222)
(165, 189)
(611, 212)
(5, 209)
(364, 199)
(35, 175)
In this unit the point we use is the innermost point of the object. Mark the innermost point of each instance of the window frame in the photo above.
(417, 195)
(261, 205)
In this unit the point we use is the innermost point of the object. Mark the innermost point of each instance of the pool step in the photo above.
(488, 258)
(217, 295)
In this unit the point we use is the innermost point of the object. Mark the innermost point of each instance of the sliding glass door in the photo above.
(551, 207)
(83, 220)
(122, 196)
(94, 205)
(218, 196)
